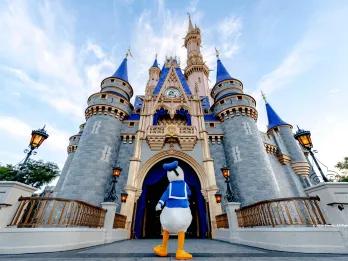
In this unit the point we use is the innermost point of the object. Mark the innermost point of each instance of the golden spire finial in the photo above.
(217, 53)
(190, 23)
(263, 96)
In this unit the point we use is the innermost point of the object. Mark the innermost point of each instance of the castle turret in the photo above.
(196, 71)
(252, 177)
(154, 74)
(91, 167)
(290, 150)
(71, 149)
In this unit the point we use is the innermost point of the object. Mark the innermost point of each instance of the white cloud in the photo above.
(14, 127)
(44, 58)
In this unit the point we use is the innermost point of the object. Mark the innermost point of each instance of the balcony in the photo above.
(185, 136)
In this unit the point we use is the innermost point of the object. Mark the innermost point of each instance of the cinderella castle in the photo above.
(180, 116)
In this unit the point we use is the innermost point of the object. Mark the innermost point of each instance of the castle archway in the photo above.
(147, 221)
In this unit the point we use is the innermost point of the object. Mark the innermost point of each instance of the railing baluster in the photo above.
(282, 211)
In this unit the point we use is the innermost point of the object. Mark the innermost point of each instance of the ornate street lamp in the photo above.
(111, 196)
(304, 138)
(37, 138)
(226, 174)
(218, 197)
(124, 196)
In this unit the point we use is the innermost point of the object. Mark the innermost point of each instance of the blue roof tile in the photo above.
(134, 117)
(122, 72)
(221, 72)
(155, 63)
(210, 117)
(163, 76)
(273, 119)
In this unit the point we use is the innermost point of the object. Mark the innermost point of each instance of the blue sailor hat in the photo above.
(170, 166)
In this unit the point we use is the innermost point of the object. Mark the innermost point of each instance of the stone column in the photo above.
(110, 208)
(231, 208)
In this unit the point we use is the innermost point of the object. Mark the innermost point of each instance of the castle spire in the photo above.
(122, 72)
(155, 63)
(221, 72)
(190, 26)
(273, 118)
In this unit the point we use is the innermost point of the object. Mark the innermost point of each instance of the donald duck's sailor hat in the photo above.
(171, 167)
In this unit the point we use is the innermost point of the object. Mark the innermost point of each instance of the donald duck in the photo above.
(176, 215)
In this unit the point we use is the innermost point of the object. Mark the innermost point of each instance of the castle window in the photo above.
(103, 96)
(124, 84)
(239, 97)
(121, 101)
(222, 102)
(220, 85)
(131, 124)
(212, 125)
(112, 80)
(137, 111)
(206, 111)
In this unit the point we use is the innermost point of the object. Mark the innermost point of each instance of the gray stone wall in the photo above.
(252, 177)
(125, 153)
(91, 167)
(291, 144)
(288, 181)
(218, 154)
(63, 173)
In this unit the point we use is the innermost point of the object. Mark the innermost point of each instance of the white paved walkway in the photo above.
(202, 249)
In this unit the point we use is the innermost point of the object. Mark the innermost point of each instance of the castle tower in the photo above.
(289, 149)
(196, 71)
(71, 149)
(154, 74)
(251, 172)
(91, 167)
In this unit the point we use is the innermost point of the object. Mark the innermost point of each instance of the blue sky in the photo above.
(54, 54)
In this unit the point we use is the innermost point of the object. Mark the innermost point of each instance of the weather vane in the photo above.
(217, 53)
(129, 53)
(263, 96)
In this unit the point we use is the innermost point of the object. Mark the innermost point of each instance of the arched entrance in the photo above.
(147, 221)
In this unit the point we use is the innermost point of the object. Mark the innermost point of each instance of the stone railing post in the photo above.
(109, 219)
(232, 217)
(333, 201)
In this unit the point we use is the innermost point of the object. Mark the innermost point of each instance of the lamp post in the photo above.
(304, 138)
(111, 196)
(37, 138)
(226, 174)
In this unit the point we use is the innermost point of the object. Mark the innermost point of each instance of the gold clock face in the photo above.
(172, 92)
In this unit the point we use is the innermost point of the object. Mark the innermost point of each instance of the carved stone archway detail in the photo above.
(144, 169)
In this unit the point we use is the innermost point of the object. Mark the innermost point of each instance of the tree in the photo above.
(33, 173)
(343, 166)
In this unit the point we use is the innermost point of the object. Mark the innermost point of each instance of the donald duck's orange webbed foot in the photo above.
(181, 254)
(161, 250)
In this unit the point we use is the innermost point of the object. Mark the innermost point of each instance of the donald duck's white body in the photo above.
(176, 216)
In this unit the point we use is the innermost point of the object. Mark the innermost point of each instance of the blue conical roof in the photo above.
(122, 72)
(221, 72)
(155, 63)
(273, 119)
